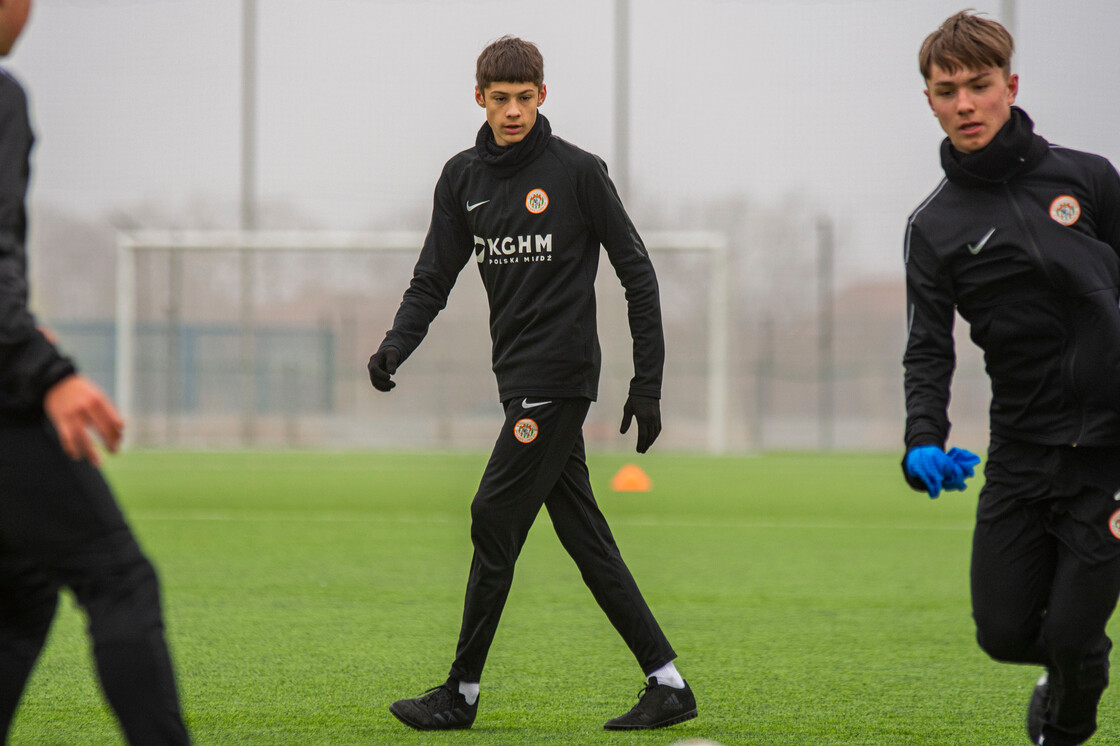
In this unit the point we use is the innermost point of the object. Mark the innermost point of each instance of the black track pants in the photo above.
(60, 526)
(539, 459)
(1046, 571)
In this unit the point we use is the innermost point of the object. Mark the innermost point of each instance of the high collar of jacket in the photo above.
(1015, 150)
(508, 160)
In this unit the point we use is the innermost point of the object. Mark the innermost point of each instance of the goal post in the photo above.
(715, 244)
(178, 243)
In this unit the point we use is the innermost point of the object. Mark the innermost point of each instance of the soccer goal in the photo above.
(259, 339)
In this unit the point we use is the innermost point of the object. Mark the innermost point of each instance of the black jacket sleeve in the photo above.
(29, 363)
(632, 264)
(1108, 202)
(447, 246)
(930, 357)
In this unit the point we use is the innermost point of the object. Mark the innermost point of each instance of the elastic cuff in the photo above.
(648, 393)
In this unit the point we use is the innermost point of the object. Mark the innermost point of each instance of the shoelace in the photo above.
(432, 693)
(642, 692)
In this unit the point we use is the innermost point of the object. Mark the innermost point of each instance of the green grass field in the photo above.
(813, 599)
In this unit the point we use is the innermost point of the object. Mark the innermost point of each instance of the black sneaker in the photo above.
(441, 708)
(1040, 700)
(658, 706)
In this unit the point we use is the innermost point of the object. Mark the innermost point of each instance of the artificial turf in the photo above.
(812, 599)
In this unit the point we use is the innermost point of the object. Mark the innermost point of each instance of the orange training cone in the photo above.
(631, 478)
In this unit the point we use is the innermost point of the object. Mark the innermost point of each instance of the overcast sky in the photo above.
(362, 101)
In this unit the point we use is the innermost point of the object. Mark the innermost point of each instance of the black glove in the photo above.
(648, 411)
(383, 364)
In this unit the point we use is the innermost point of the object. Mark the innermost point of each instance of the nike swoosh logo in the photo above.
(470, 207)
(976, 249)
(526, 404)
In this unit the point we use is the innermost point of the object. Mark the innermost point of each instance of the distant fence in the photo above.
(193, 369)
(310, 390)
(290, 372)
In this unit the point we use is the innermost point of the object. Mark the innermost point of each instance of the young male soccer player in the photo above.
(532, 210)
(1023, 238)
(59, 524)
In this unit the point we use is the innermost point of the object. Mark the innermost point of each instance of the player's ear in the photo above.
(540, 99)
(929, 100)
(478, 97)
(1012, 88)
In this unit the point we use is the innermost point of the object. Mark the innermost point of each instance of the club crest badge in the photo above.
(526, 431)
(1114, 524)
(1065, 209)
(536, 201)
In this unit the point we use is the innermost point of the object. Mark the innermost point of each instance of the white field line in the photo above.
(271, 468)
(257, 516)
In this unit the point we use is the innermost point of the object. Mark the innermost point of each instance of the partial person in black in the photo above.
(1023, 239)
(59, 523)
(532, 210)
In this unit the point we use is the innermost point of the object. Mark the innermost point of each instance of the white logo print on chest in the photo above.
(980, 244)
(470, 207)
(513, 249)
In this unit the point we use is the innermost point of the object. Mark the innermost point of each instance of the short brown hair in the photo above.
(966, 41)
(512, 60)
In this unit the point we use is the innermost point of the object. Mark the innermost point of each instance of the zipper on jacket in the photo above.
(1068, 367)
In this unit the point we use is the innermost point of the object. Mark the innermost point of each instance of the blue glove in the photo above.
(937, 469)
(963, 461)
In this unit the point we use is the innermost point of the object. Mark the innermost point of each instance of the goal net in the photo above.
(244, 339)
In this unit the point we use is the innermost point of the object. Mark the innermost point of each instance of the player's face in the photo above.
(511, 109)
(13, 16)
(971, 105)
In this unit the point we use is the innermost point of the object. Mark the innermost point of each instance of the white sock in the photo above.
(668, 675)
(469, 689)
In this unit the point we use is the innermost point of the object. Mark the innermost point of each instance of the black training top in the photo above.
(29, 363)
(1023, 238)
(533, 215)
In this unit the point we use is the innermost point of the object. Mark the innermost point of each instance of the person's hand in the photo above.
(382, 365)
(939, 470)
(648, 412)
(75, 405)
